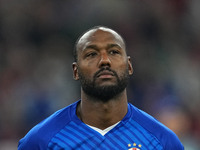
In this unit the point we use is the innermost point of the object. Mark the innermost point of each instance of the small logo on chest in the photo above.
(134, 146)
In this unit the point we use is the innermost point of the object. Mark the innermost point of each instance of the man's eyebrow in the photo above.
(95, 47)
(91, 47)
(113, 45)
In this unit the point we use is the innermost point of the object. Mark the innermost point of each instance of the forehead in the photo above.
(100, 36)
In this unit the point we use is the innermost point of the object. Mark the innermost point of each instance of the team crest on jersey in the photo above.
(134, 146)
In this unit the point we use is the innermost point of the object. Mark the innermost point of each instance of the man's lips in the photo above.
(105, 74)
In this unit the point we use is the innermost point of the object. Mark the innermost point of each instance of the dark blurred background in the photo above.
(37, 39)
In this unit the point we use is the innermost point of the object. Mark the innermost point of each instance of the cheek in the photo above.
(122, 69)
(86, 71)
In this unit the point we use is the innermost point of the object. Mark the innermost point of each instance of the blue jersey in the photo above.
(65, 131)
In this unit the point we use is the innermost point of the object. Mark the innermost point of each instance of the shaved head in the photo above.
(86, 36)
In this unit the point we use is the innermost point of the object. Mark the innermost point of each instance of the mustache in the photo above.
(103, 69)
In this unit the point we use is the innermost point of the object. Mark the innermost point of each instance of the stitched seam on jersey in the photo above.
(70, 120)
(131, 117)
(149, 133)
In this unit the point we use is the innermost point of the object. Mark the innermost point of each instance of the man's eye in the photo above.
(113, 52)
(92, 54)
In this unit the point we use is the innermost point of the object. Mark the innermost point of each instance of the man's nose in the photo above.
(104, 60)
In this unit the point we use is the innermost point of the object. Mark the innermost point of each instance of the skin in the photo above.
(99, 48)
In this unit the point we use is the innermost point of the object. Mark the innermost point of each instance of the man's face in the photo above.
(103, 67)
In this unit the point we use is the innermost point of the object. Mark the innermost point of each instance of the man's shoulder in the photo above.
(40, 135)
(163, 134)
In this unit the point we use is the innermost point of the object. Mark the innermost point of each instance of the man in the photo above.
(102, 119)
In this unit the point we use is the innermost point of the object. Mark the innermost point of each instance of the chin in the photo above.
(104, 93)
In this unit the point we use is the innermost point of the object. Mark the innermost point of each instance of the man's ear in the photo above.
(130, 67)
(75, 71)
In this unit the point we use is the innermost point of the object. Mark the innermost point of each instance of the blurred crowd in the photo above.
(37, 39)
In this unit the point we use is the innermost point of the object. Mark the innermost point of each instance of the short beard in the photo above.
(107, 92)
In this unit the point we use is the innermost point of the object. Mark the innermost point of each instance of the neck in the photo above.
(101, 114)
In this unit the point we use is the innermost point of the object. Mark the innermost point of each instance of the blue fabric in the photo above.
(65, 131)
